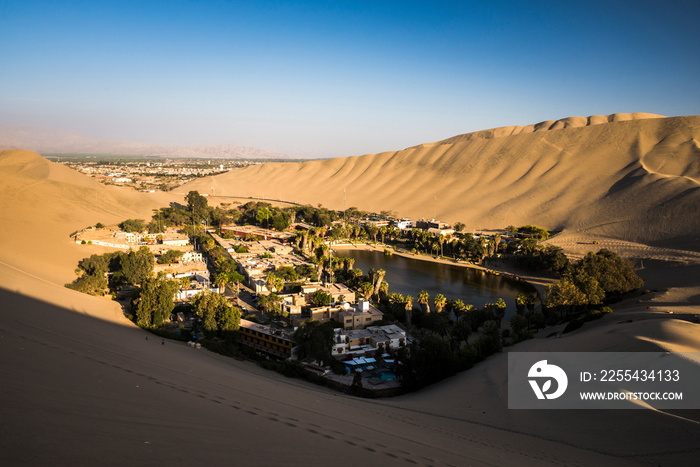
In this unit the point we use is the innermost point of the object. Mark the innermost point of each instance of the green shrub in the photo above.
(290, 369)
(92, 285)
(337, 367)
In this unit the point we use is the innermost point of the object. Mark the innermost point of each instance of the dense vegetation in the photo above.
(601, 277)
(197, 213)
(448, 335)
(153, 300)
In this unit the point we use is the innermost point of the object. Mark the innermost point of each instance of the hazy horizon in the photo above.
(323, 79)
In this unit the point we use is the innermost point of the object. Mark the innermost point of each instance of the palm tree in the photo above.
(425, 239)
(460, 332)
(279, 284)
(348, 262)
(454, 246)
(378, 278)
(415, 235)
(491, 247)
(303, 238)
(458, 307)
(471, 316)
(393, 232)
(221, 280)
(409, 310)
(383, 231)
(337, 232)
(424, 300)
(270, 280)
(366, 288)
(321, 251)
(372, 230)
(500, 310)
(439, 302)
(531, 300)
(384, 289)
(319, 268)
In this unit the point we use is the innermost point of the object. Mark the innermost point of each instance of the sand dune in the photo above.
(44, 202)
(83, 386)
(570, 122)
(635, 178)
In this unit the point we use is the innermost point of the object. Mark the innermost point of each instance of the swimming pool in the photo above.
(385, 375)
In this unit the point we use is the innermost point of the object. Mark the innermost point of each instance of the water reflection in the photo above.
(410, 276)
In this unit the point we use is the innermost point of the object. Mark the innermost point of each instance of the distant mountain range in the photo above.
(45, 140)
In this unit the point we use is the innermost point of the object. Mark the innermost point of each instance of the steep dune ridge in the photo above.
(569, 122)
(629, 178)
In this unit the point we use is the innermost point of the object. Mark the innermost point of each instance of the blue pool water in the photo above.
(386, 375)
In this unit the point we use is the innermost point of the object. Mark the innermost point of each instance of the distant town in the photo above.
(148, 173)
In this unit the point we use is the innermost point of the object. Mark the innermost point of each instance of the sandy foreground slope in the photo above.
(83, 386)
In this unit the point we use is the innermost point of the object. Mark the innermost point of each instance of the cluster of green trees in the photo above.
(443, 344)
(530, 231)
(92, 273)
(97, 273)
(133, 225)
(598, 278)
(314, 339)
(463, 246)
(442, 348)
(154, 299)
(431, 358)
(534, 257)
(197, 213)
(215, 314)
(170, 256)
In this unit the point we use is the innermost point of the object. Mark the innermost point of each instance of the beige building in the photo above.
(360, 316)
(367, 341)
(351, 317)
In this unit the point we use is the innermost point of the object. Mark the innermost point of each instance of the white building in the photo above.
(198, 283)
(367, 341)
(404, 224)
(192, 257)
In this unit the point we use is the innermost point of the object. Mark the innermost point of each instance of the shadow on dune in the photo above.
(81, 390)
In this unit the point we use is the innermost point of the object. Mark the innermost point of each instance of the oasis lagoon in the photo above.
(408, 276)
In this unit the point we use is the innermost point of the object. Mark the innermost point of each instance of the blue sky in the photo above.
(322, 79)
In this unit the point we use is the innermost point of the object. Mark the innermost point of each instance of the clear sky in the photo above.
(338, 78)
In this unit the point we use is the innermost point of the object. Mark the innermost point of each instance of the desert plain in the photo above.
(82, 385)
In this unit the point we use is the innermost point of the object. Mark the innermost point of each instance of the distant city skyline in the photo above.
(328, 79)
